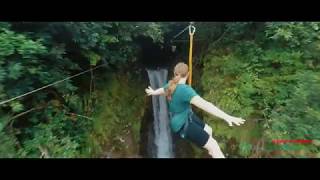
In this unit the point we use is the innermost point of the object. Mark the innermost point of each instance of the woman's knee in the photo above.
(213, 148)
(210, 143)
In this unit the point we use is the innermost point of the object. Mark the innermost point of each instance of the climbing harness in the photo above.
(183, 131)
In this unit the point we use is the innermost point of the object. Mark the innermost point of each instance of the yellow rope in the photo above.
(190, 60)
(192, 30)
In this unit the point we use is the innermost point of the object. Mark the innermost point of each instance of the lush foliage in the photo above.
(268, 73)
(116, 126)
(35, 54)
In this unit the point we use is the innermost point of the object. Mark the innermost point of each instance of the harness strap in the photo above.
(183, 131)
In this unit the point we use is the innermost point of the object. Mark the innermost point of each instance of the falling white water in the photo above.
(162, 132)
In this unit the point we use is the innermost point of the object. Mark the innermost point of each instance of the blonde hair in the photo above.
(180, 71)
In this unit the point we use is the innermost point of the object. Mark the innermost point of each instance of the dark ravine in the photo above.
(160, 62)
(145, 130)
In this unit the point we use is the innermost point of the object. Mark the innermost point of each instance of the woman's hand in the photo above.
(149, 91)
(235, 120)
(152, 92)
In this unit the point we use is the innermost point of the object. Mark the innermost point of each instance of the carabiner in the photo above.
(191, 32)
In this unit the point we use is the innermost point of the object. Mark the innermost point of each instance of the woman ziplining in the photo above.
(180, 96)
(183, 121)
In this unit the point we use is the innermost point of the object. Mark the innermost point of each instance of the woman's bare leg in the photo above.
(213, 148)
(212, 145)
(208, 129)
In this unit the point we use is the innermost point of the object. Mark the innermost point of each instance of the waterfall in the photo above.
(162, 138)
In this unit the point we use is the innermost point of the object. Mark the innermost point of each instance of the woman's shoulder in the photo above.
(187, 87)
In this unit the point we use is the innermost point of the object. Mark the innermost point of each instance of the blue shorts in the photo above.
(194, 131)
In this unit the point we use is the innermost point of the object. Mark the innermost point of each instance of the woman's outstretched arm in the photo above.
(152, 92)
(213, 110)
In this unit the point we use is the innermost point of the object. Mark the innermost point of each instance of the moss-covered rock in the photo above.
(116, 126)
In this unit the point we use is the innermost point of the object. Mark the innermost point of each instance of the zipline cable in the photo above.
(52, 84)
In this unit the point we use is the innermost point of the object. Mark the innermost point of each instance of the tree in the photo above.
(33, 55)
(268, 72)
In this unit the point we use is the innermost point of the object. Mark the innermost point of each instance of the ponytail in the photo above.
(180, 71)
(172, 86)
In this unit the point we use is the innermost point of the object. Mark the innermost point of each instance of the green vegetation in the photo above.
(267, 73)
(116, 127)
(33, 55)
